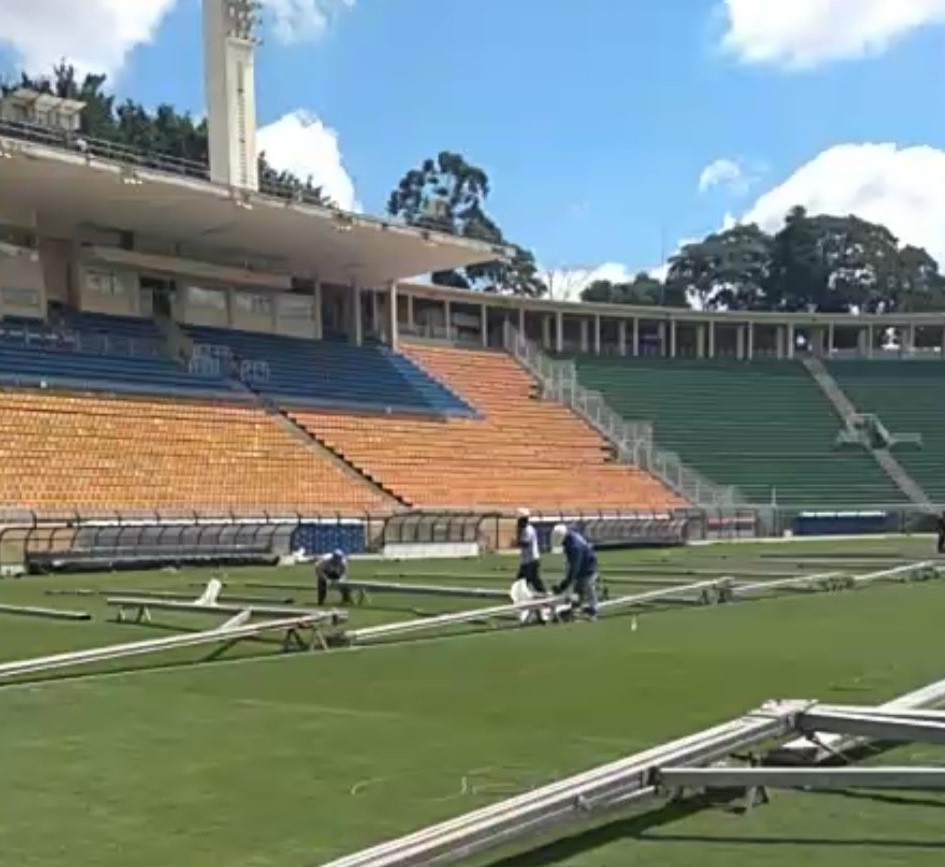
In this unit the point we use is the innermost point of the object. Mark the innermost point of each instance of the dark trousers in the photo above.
(322, 585)
(941, 543)
(531, 574)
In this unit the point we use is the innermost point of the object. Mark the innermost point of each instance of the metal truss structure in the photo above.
(674, 769)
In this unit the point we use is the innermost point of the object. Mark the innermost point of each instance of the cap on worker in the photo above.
(558, 534)
(523, 513)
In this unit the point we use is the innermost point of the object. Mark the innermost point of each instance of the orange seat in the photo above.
(83, 452)
(522, 451)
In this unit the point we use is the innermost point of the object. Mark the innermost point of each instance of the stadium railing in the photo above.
(633, 439)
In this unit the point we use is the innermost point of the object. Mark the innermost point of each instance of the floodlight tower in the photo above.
(229, 37)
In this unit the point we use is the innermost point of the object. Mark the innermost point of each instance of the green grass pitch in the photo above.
(260, 759)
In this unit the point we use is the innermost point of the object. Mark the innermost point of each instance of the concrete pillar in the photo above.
(597, 334)
(673, 335)
(831, 339)
(317, 321)
(410, 319)
(484, 324)
(943, 343)
(636, 338)
(661, 335)
(791, 340)
(779, 332)
(750, 328)
(870, 340)
(375, 312)
(521, 321)
(559, 332)
(912, 337)
(393, 331)
(711, 338)
(585, 340)
(622, 336)
(448, 318)
(700, 340)
(357, 326)
(740, 342)
(862, 341)
(546, 343)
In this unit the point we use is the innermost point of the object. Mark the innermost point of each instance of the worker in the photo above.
(580, 567)
(529, 568)
(331, 570)
(941, 533)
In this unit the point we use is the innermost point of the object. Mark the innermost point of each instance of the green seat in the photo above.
(909, 397)
(762, 426)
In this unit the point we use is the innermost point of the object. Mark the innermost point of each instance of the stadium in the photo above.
(205, 386)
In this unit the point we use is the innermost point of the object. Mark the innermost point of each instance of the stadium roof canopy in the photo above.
(60, 191)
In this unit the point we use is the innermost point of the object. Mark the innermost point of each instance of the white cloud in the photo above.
(99, 35)
(303, 20)
(801, 34)
(720, 172)
(898, 187)
(300, 143)
(93, 34)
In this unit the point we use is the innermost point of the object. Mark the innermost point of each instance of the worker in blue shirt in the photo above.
(581, 567)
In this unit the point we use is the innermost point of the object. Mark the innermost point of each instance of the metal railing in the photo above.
(213, 359)
(39, 335)
(633, 440)
(102, 149)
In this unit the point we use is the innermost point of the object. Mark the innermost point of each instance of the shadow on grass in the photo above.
(647, 827)
(594, 838)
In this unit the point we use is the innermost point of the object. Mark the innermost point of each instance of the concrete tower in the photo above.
(229, 55)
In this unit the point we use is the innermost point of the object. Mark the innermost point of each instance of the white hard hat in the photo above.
(558, 534)
(523, 513)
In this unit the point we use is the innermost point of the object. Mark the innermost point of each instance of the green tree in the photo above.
(642, 291)
(727, 270)
(165, 133)
(448, 194)
(837, 264)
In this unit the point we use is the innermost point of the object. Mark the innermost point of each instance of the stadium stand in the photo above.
(95, 352)
(521, 451)
(334, 373)
(95, 453)
(763, 426)
(909, 397)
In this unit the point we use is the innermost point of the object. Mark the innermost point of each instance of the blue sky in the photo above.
(593, 120)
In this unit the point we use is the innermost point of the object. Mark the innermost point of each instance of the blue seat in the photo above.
(332, 373)
(96, 352)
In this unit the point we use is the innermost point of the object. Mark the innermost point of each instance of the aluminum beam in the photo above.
(584, 796)
(9, 670)
(394, 587)
(860, 723)
(703, 587)
(900, 572)
(740, 591)
(426, 624)
(143, 604)
(922, 779)
(49, 613)
(804, 750)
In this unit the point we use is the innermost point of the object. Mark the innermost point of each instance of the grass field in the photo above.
(260, 759)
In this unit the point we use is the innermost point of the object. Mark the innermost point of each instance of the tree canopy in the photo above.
(165, 131)
(448, 194)
(817, 263)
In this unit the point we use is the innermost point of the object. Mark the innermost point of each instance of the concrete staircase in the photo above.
(852, 418)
